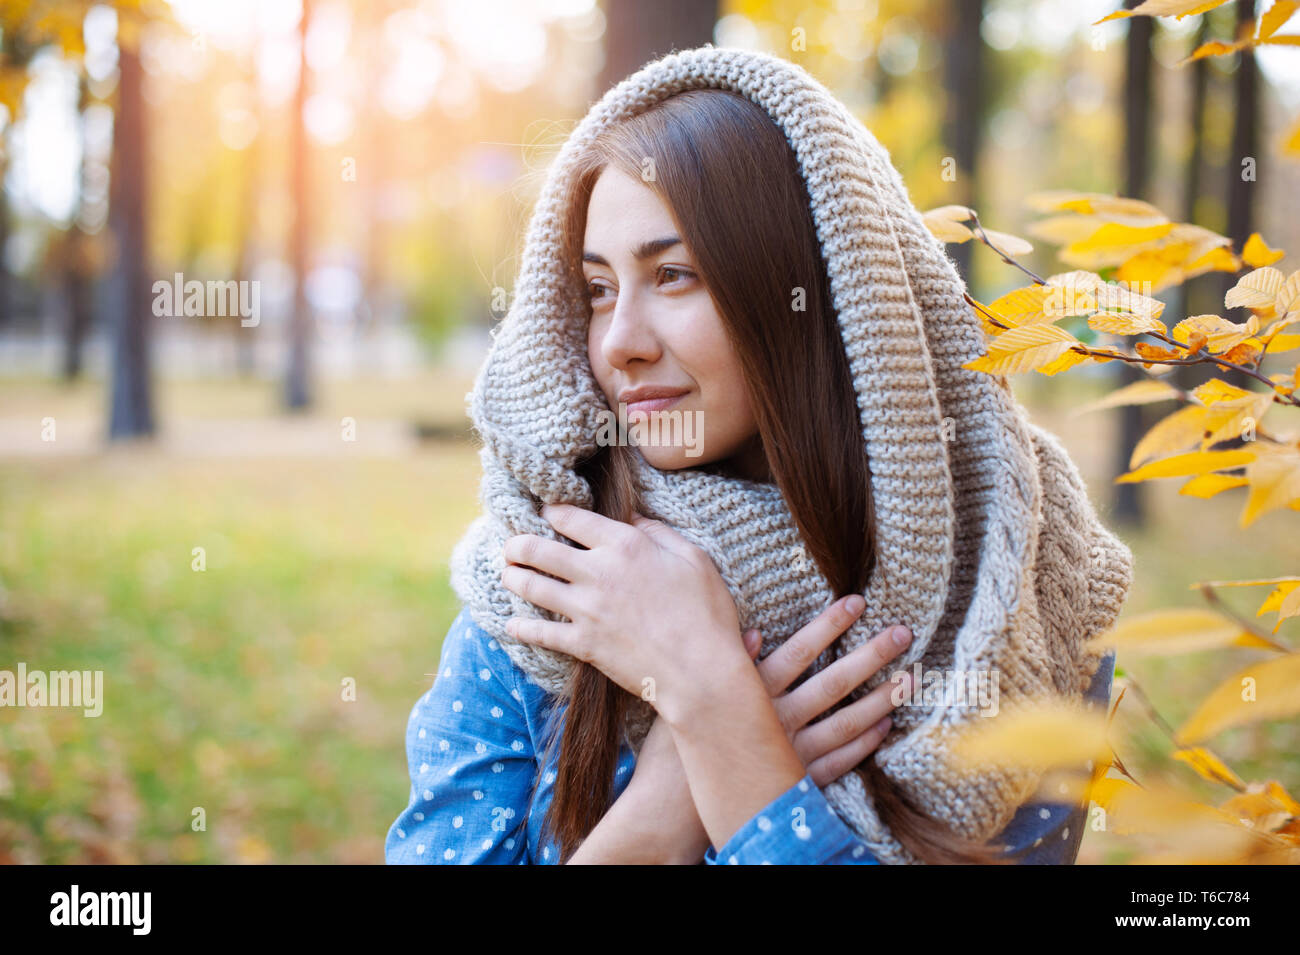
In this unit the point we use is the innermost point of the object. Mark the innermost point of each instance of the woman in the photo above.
(721, 248)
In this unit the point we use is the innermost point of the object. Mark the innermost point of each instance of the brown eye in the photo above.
(674, 270)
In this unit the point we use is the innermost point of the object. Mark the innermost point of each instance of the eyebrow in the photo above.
(646, 250)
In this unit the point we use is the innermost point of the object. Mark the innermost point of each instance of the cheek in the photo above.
(715, 365)
(599, 370)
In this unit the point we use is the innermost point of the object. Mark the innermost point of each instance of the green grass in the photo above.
(222, 688)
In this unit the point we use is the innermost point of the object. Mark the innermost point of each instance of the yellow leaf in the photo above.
(1139, 393)
(1222, 335)
(1184, 465)
(1158, 809)
(946, 223)
(1166, 8)
(1290, 608)
(1093, 203)
(1115, 297)
(1214, 391)
(1257, 254)
(990, 329)
(1023, 306)
(1175, 432)
(1262, 691)
(1257, 289)
(1212, 48)
(950, 213)
(1285, 585)
(1281, 343)
(1208, 485)
(1287, 303)
(1284, 384)
(1217, 259)
(1102, 354)
(1226, 420)
(1008, 244)
(1042, 734)
(1069, 297)
(1153, 267)
(1274, 476)
(1067, 360)
(1125, 323)
(1265, 808)
(1244, 353)
(1277, 15)
(1272, 331)
(1024, 349)
(1154, 353)
(1116, 237)
(1209, 766)
(1184, 630)
(1078, 280)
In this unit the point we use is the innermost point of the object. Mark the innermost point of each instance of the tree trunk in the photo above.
(1194, 297)
(638, 31)
(78, 271)
(5, 314)
(297, 387)
(1243, 169)
(1128, 508)
(964, 90)
(131, 403)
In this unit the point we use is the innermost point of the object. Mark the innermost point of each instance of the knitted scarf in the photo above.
(988, 547)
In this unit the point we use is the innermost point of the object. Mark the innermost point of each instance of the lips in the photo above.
(650, 398)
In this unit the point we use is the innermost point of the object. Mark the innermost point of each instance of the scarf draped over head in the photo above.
(988, 548)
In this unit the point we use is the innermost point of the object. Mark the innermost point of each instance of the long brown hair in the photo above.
(754, 247)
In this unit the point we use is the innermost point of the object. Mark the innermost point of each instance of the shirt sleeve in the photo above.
(799, 827)
(471, 761)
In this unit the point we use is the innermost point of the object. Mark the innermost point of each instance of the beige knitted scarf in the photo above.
(988, 547)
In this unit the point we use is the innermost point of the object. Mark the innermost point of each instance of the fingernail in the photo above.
(902, 636)
(855, 604)
(882, 725)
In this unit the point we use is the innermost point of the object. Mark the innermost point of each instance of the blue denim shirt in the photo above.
(474, 742)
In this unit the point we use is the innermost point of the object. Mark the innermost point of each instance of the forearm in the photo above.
(646, 828)
(736, 754)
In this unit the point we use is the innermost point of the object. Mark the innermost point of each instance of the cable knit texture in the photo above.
(988, 547)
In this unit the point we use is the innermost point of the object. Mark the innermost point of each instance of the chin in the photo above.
(671, 459)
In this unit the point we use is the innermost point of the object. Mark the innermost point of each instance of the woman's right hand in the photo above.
(831, 747)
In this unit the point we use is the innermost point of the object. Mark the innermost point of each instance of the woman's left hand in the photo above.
(648, 608)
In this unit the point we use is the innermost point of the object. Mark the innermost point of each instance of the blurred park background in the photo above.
(368, 168)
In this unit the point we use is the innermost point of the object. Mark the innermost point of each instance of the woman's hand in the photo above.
(829, 748)
(648, 608)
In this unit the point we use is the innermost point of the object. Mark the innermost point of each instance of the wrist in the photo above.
(643, 827)
(667, 821)
(728, 683)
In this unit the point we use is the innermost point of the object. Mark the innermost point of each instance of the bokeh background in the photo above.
(370, 166)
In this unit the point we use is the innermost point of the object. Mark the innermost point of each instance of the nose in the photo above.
(630, 334)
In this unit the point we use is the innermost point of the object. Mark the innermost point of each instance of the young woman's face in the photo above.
(654, 325)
